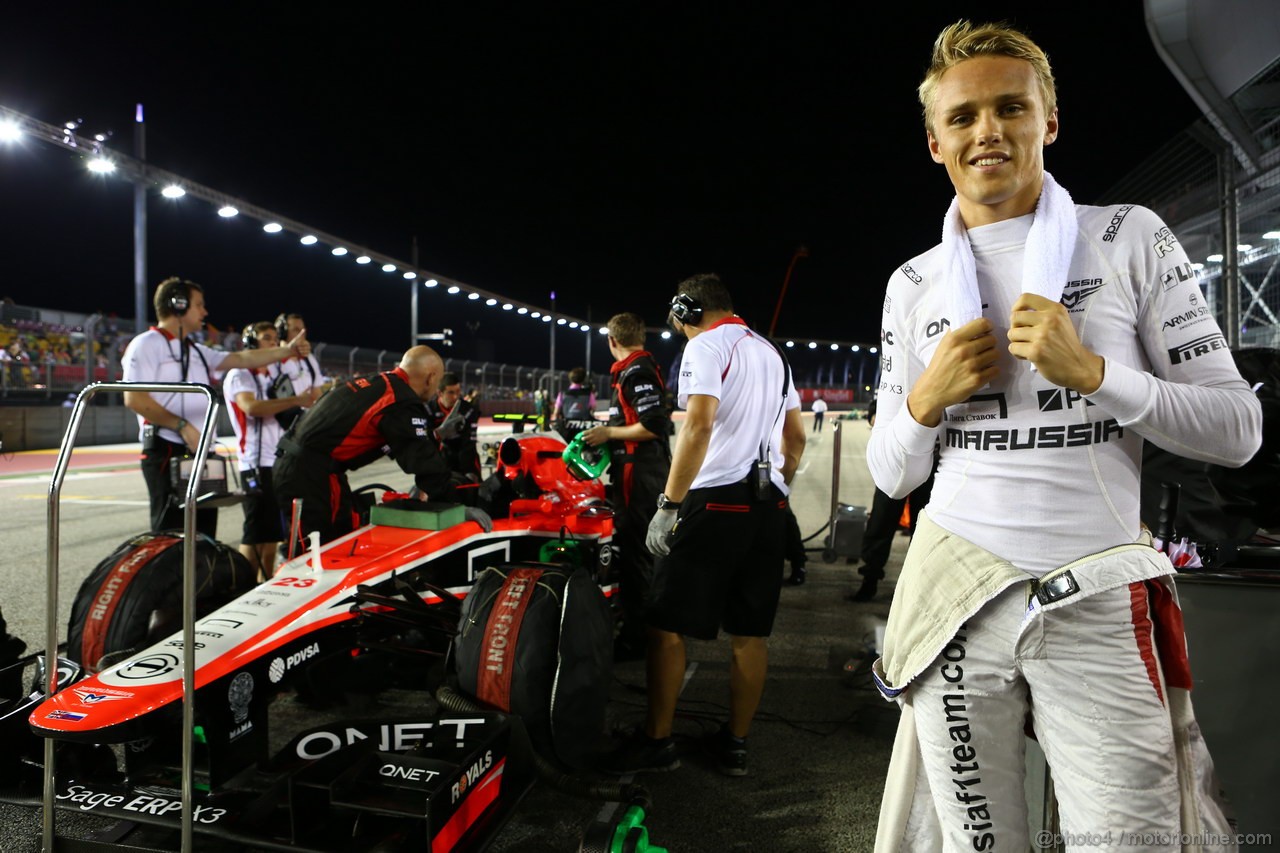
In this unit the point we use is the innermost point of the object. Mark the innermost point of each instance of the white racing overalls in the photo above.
(1094, 651)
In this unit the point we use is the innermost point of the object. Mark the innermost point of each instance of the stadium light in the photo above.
(338, 251)
(431, 282)
(1243, 247)
(473, 296)
(546, 318)
(666, 335)
(572, 325)
(410, 275)
(873, 350)
(227, 211)
(173, 191)
(813, 344)
(604, 330)
(522, 310)
(1271, 235)
(491, 302)
(10, 131)
(453, 288)
(536, 314)
(561, 321)
(855, 348)
(101, 166)
(309, 240)
(273, 227)
(388, 267)
(363, 259)
(1197, 267)
(1215, 258)
(790, 344)
(507, 306)
(835, 347)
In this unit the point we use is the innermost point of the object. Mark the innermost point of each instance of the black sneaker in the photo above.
(640, 753)
(866, 592)
(797, 576)
(728, 752)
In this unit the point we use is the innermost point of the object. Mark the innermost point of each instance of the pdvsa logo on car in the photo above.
(278, 667)
(471, 776)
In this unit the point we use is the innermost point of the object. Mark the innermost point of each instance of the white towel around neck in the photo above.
(1046, 259)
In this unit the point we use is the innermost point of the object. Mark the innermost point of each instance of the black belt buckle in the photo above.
(1056, 588)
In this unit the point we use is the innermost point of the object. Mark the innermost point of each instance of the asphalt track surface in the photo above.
(818, 751)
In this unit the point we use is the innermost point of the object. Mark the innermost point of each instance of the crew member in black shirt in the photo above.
(456, 422)
(353, 425)
(638, 430)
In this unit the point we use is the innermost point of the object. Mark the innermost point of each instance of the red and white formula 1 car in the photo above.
(440, 780)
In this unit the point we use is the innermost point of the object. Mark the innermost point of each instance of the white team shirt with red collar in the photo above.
(744, 372)
(256, 438)
(157, 356)
(305, 374)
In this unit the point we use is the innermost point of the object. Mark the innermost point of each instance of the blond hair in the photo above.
(964, 40)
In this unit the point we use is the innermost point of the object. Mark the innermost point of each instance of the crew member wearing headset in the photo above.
(719, 528)
(640, 459)
(169, 423)
(354, 424)
(254, 414)
(295, 376)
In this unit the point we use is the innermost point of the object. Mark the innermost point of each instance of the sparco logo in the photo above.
(1057, 399)
(936, 327)
(886, 337)
(911, 274)
(1176, 276)
(1165, 241)
(1197, 348)
(1035, 438)
(1076, 292)
(1116, 221)
(473, 774)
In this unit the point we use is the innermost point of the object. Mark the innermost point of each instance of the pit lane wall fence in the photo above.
(42, 427)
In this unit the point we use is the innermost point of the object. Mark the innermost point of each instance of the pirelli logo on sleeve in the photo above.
(1197, 348)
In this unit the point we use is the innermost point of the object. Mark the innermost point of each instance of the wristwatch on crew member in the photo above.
(665, 502)
(182, 422)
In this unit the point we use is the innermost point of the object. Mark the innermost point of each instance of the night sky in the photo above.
(603, 151)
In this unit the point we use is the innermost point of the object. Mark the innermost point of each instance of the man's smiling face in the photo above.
(989, 130)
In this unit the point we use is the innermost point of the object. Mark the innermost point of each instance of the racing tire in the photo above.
(133, 598)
